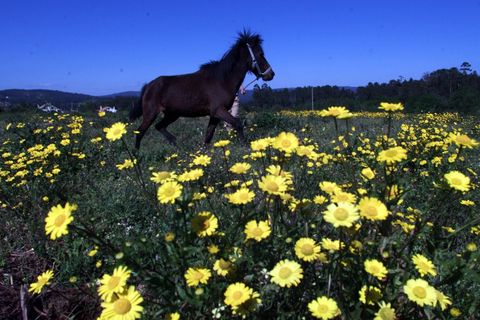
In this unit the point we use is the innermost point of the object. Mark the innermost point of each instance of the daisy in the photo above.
(58, 219)
(286, 273)
(42, 280)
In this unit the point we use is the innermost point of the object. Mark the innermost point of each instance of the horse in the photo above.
(210, 91)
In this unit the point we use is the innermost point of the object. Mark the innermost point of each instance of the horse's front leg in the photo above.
(224, 115)
(212, 124)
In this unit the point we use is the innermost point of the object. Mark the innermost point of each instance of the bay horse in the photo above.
(210, 91)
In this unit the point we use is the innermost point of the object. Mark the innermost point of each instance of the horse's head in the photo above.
(258, 64)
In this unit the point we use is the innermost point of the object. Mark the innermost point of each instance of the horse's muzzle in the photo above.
(268, 76)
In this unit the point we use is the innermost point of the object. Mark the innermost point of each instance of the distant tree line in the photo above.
(454, 89)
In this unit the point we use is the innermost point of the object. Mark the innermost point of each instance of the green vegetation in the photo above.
(242, 229)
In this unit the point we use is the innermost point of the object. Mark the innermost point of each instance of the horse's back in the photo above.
(183, 95)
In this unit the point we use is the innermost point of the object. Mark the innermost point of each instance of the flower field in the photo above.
(322, 215)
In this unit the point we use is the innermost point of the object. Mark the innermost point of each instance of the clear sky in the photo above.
(101, 47)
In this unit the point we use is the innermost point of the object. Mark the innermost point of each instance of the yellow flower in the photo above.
(458, 181)
(169, 192)
(370, 295)
(423, 265)
(472, 247)
(307, 250)
(342, 214)
(468, 203)
(222, 267)
(236, 294)
(240, 167)
(101, 114)
(196, 276)
(329, 187)
(221, 143)
(324, 308)
(191, 175)
(162, 176)
(204, 224)
(443, 300)
(336, 111)
(213, 249)
(42, 280)
(286, 142)
(372, 209)
(173, 316)
(93, 252)
(58, 219)
(319, 200)
(391, 107)
(116, 131)
(257, 231)
(126, 306)
(455, 312)
(278, 171)
(386, 312)
(368, 173)
(248, 306)
(420, 292)
(273, 184)
(463, 140)
(261, 144)
(241, 196)
(342, 196)
(127, 164)
(286, 273)
(392, 155)
(202, 160)
(331, 245)
(375, 268)
(113, 284)
(169, 236)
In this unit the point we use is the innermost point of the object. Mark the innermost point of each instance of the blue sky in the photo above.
(101, 47)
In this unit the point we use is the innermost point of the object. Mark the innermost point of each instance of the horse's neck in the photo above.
(234, 81)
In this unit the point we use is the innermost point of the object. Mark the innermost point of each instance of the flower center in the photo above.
(113, 282)
(322, 308)
(463, 139)
(197, 275)
(237, 295)
(60, 219)
(307, 249)
(122, 306)
(169, 191)
(224, 264)
(286, 143)
(456, 181)
(285, 272)
(206, 224)
(391, 153)
(272, 186)
(340, 214)
(257, 232)
(371, 211)
(420, 292)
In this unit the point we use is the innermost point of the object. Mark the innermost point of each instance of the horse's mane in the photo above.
(221, 68)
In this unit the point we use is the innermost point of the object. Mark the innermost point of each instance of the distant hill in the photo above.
(65, 99)
(123, 94)
(39, 96)
(60, 99)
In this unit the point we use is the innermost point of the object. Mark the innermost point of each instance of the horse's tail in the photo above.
(137, 109)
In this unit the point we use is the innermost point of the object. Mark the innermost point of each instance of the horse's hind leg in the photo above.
(147, 121)
(212, 124)
(236, 123)
(164, 123)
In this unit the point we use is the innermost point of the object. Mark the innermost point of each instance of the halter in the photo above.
(255, 64)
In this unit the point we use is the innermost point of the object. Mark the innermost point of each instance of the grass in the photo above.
(120, 216)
